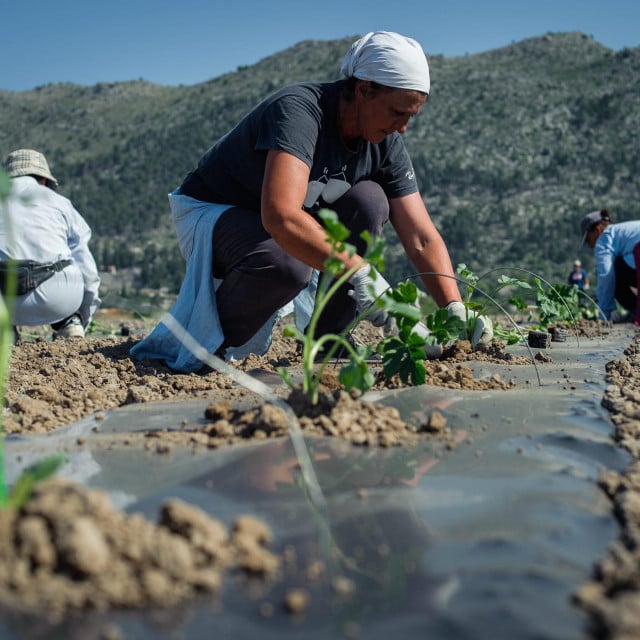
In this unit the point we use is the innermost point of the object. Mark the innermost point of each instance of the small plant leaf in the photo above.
(30, 477)
(335, 230)
(374, 254)
(405, 292)
(405, 359)
(510, 336)
(443, 328)
(333, 265)
(286, 376)
(356, 374)
(291, 331)
(519, 303)
(403, 310)
(5, 185)
(506, 281)
(474, 306)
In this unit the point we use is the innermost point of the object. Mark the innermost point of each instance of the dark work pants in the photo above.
(259, 277)
(625, 279)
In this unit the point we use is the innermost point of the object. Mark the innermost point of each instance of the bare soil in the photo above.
(612, 597)
(67, 548)
(53, 383)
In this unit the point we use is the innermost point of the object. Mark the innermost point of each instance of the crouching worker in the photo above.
(45, 241)
(247, 214)
(616, 249)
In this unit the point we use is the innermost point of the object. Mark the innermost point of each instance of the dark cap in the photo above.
(590, 220)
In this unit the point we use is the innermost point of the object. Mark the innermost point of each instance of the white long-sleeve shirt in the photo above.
(40, 224)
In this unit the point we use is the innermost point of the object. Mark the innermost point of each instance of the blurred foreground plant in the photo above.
(41, 470)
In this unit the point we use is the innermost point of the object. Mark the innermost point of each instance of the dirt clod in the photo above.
(611, 597)
(67, 549)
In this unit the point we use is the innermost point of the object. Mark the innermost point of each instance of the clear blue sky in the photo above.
(189, 41)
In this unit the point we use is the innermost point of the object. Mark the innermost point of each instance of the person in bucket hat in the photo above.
(41, 226)
(615, 246)
(27, 162)
(248, 214)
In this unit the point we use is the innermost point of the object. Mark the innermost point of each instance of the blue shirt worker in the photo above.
(247, 215)
(613, 248)
(578, 276)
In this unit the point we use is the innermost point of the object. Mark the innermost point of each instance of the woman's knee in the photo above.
(272, 264)
(287, 269)
(364, 207)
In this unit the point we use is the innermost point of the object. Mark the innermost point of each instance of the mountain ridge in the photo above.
(519, 142)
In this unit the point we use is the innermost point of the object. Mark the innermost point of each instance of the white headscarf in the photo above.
(389, 59)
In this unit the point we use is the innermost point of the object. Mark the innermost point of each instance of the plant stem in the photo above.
(6, 343)
(6, 334)
(310, 346)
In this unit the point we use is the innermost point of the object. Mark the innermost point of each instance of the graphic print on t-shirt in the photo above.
(329, 186)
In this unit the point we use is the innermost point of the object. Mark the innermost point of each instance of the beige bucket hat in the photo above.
(27, 162)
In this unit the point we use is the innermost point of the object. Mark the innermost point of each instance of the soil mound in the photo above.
(611, 597)
(68, 549)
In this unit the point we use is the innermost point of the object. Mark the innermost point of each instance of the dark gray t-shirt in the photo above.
(302, 120)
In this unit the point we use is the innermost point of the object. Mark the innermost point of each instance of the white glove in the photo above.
(483, 328)
(431, 351)
(368, 285)
(618, 317)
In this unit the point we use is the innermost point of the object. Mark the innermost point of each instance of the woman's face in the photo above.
(593, 234)
(381, 111)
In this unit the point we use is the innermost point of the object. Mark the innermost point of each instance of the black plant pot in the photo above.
(558, 334)
(539, 339)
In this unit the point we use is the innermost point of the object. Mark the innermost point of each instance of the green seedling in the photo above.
(43, 469)
(403, 354)
(558, 303)
(445, 329)
(29, 478)
(551, 305)
(509, 336)
(356, 373)
(561, 303)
